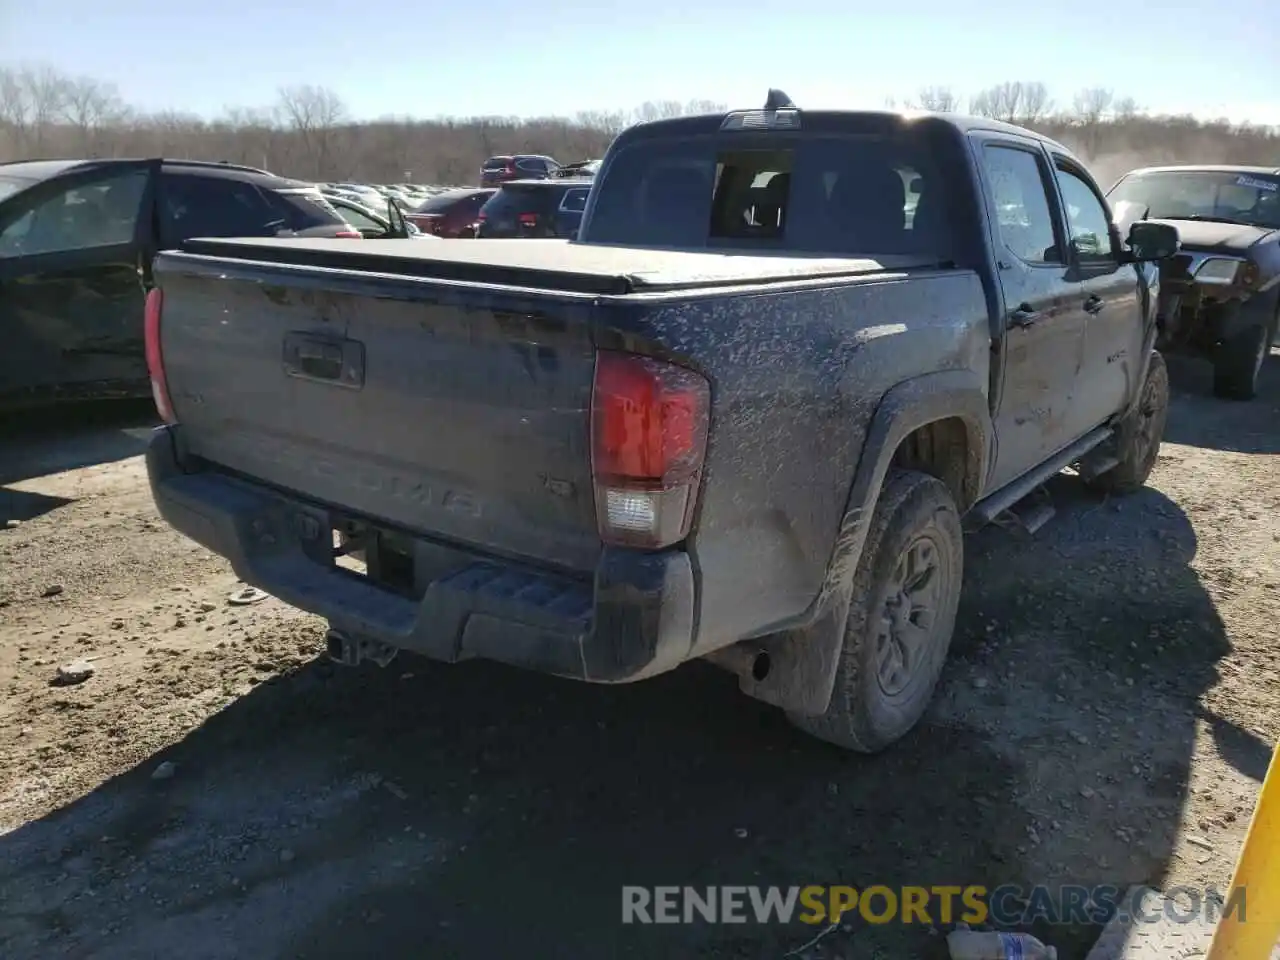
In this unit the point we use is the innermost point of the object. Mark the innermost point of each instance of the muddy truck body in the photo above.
(739, 419)
(1220, 295)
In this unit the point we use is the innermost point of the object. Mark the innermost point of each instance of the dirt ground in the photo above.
(217, 790)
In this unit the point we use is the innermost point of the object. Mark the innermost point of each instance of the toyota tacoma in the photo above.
(739, 419)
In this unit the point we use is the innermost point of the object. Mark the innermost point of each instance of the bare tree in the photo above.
(1091, 107)
(88, 106)
(46, 93)
(695, 107)
(938, 99)
(307, 134)
(1000, 102)
(1126, 108)
(608, 121)
(1036, 103)
(658, 110)
(15, 109)
(314, 113)
(1092, 104)
(1014, 101)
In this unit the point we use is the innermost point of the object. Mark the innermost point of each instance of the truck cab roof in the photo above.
(833, 121)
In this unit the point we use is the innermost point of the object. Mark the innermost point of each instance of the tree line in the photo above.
(309, 133)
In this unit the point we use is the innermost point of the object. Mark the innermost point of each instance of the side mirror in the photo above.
(1150, 240)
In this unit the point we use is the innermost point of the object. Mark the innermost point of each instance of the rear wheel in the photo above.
(905, 594)
(1138, 437)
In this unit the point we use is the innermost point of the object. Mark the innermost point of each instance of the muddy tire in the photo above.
(1238, 363)
(1138, 437)
(905, 594)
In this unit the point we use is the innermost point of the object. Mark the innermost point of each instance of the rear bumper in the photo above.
(635, 618)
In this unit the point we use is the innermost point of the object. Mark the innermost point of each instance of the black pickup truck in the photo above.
(740, 419)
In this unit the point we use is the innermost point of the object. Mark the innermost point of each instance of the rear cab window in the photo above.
(513, 200)
(533, 165)
(496, 163)
(575, 200)
(788, 191)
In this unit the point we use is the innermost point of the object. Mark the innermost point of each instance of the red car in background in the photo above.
(451, 214)
(519, 166)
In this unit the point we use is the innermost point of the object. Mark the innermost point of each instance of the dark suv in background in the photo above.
(535, 208)
(523, 166)
(452, 213)
(76, 242)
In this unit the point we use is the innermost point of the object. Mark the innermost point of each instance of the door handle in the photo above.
(1024, 316)
(1094, 305)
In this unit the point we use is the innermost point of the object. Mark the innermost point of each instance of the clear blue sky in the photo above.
(554, 56)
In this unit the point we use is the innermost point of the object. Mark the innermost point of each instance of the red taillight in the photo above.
(529, 219)
(349, 235)
(511, 166)
(649, 424)
(480, 218)
(155, 356)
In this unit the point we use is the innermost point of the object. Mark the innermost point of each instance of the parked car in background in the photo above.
(504, 168)
(356, 196)
(583, 168)
(1220, 296)
(76, 242)
(534, 208)
(374, 225)
(371, 196)
(453, 213)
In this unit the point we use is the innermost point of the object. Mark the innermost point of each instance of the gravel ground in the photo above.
(216, 790)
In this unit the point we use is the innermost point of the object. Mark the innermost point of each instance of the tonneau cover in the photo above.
(546, 264)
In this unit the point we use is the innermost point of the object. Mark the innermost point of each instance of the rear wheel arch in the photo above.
(922, 421)
(950, 450)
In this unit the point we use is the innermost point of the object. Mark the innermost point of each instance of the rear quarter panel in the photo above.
(797, 375)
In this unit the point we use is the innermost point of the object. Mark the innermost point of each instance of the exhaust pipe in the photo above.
(349, 651)
(743, 660)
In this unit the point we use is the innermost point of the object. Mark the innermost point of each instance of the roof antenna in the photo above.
(777, 100)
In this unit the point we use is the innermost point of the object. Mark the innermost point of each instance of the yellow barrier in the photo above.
(1258, 871)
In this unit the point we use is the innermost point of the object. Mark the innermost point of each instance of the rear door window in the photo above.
(532, 165)
(839, 195)
(304, 209)
(359, 219)
(193, 206)
(1020, 195)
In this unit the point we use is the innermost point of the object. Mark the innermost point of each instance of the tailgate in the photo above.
(447, 409)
